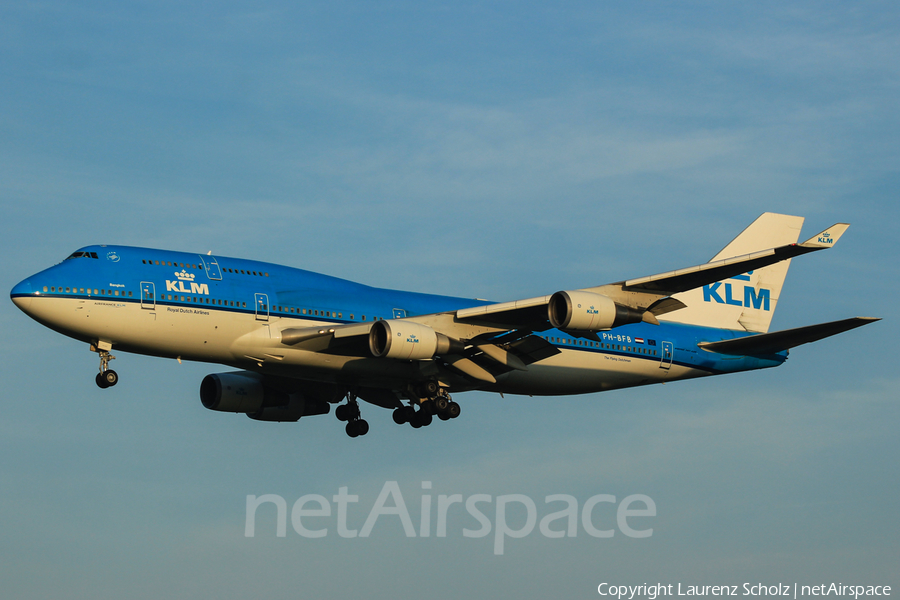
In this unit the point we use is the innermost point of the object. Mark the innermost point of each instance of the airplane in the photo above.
(303, 341)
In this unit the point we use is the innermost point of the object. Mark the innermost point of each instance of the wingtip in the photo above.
(827, 238)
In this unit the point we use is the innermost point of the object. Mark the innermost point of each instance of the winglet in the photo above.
(827, 238)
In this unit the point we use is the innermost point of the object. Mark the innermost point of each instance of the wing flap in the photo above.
(771, 343)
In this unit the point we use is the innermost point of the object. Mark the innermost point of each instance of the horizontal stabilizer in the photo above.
(771, 343)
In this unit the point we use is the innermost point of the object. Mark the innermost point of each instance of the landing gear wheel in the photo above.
(110, 378)
(106, 377)
(425, 418)
(443, 416)
(429, 407)
(453, 410)
(441, 403)
(399, 416)
(350, 412)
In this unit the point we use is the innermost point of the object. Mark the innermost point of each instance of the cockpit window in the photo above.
(83, 255)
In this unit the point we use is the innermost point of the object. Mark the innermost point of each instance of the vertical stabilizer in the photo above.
(744, 302)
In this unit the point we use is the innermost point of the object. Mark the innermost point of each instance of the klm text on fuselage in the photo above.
(178, 286)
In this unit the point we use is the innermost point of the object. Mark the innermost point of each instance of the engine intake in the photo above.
(407, 340)
(586, 311)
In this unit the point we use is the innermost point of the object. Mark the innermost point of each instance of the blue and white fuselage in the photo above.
(302, 339)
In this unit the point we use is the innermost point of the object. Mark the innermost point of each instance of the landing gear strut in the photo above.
(106, 377)
(349, 412)
(439, 403)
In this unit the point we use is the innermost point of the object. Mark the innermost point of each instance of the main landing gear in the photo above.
(349, 412)
(439, 404)
(106, 377)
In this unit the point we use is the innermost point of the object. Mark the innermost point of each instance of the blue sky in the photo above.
(498, 150)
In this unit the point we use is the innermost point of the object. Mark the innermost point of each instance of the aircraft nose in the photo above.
(22, 294)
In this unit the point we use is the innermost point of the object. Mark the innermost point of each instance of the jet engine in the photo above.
(406, 340)
(586, 311)
(246, 392)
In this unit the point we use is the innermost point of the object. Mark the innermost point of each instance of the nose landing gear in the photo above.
(106, 377)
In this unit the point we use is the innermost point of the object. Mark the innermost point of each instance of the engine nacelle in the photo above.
(241, 392)
(407, 340)
(586, 311)
(245, 392)
(298, 406)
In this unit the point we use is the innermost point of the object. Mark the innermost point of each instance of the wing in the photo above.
(641, 299)
(481, 342)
